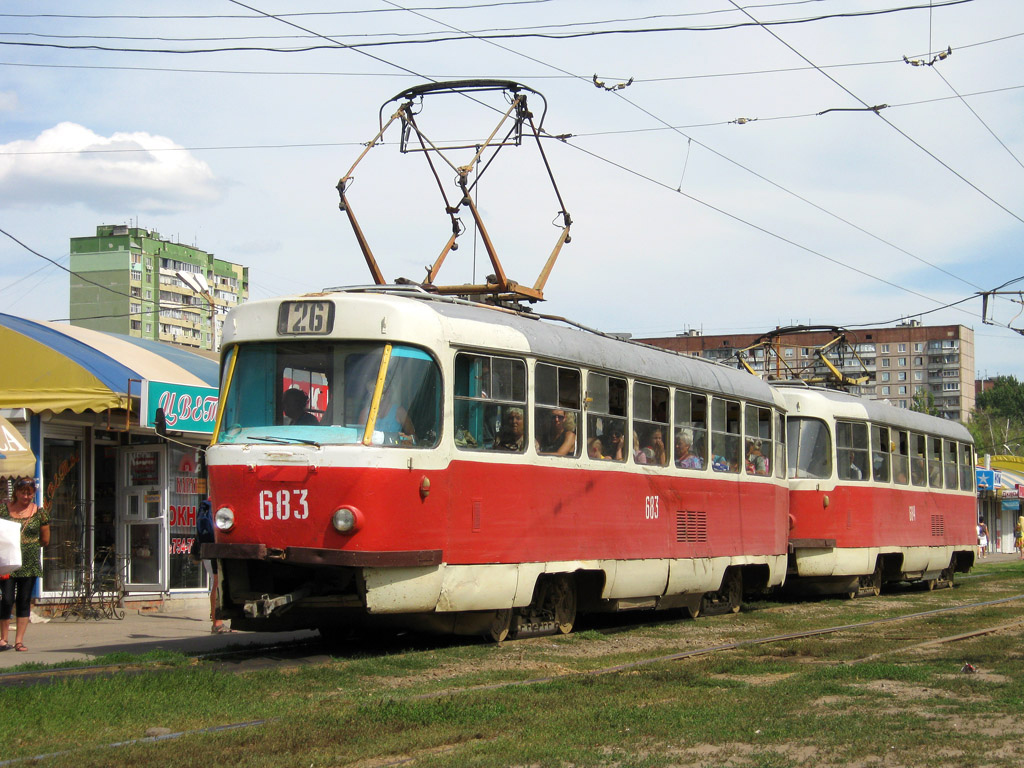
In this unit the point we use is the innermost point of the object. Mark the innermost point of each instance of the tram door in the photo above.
(142, 513)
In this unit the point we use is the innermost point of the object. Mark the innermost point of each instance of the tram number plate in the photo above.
(298, 318)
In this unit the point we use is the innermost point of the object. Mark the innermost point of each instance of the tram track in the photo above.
(53, 675)
(281, 655)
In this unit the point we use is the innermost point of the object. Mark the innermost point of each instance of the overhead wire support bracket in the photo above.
(940, 56)
(498, 288)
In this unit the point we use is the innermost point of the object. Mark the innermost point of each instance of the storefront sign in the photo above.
(987, 479)
(186, 408)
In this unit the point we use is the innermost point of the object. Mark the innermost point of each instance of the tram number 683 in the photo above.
(651, 508)
(284, 504)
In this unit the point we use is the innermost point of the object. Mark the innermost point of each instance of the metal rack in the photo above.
(93, 590)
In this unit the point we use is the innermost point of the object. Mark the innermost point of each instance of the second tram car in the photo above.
(877, 494)
(387, 455)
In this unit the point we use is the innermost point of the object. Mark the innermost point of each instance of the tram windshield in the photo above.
(810, 448)
(328, 392)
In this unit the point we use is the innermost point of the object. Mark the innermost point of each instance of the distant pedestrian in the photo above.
(982, 538)
(16, 591)
(1020, 537)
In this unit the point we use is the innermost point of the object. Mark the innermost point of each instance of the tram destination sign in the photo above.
(305, 318)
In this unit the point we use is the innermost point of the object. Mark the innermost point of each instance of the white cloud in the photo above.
(70, 164)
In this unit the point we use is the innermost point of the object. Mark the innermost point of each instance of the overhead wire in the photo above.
(469, 36)
(620, 95)
(474, 32)
(979, 118)
(885, 120)
(408, 71)
(719, 210)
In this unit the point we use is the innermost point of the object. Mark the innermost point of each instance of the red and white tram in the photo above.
(877, 494)
(476, 470)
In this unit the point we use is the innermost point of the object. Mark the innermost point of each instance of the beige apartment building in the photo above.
(898, 362)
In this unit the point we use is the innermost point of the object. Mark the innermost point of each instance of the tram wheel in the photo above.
(875, 580)
(561, 601)
(734, 594)
(501, 625)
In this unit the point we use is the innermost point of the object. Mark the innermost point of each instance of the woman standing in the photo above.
(16, 591)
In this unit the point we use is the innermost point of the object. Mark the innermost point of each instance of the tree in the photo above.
(997, 423)
(924, 402)
(1005, 398)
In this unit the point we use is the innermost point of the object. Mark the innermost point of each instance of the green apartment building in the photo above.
(147, 296)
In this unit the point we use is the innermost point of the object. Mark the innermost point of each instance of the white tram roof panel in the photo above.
(377, 313)
(823, 402)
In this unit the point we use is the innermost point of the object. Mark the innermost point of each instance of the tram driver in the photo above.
(294, 404)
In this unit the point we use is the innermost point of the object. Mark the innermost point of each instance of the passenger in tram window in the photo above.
(560, 436)
(616, 445)
(757, 462)
(684, 458)
(848, 469)
(594, 448)
(512, 436)
(639, 454)
(656, 452)
(294, 404)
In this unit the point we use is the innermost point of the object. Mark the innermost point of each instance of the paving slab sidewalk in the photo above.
(184, 627)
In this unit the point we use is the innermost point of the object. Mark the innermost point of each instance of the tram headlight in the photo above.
(346, 519)
(224, 519)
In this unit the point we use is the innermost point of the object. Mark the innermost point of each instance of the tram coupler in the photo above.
(265, 606)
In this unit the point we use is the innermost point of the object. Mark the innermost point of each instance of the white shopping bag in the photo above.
(10, 547)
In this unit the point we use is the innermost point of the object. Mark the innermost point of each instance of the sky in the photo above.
(728, 167)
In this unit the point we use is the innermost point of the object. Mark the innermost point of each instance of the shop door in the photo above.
(143, 522)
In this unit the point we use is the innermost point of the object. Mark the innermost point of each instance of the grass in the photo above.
(788, 703)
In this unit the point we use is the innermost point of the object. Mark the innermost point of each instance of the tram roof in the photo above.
(881, 412)
(554, 341)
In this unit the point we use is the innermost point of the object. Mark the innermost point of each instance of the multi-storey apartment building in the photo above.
(127, 280)
(899, 363)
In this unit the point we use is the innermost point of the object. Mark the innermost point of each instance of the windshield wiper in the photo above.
(284, 440)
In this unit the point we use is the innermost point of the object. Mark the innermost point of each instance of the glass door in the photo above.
(143, 502)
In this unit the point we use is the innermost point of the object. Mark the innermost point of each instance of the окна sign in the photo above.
(186, 408)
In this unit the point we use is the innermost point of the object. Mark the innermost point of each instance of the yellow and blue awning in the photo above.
(16, 458)
(55, 367)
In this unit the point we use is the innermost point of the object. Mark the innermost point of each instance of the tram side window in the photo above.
(780, 445)
(490, 403)
(918, 464)
(556, 415)
(810, 448)
(691, 430)
(949, 465)
(758, 444)
(650, 424)
(725, 435)
(967, 474)
(935, 462)
(880, 447)
(606, 417)
(852, 451)
(901, 458)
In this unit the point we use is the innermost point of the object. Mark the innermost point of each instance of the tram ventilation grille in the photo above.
(938, 525)
(691, 527)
